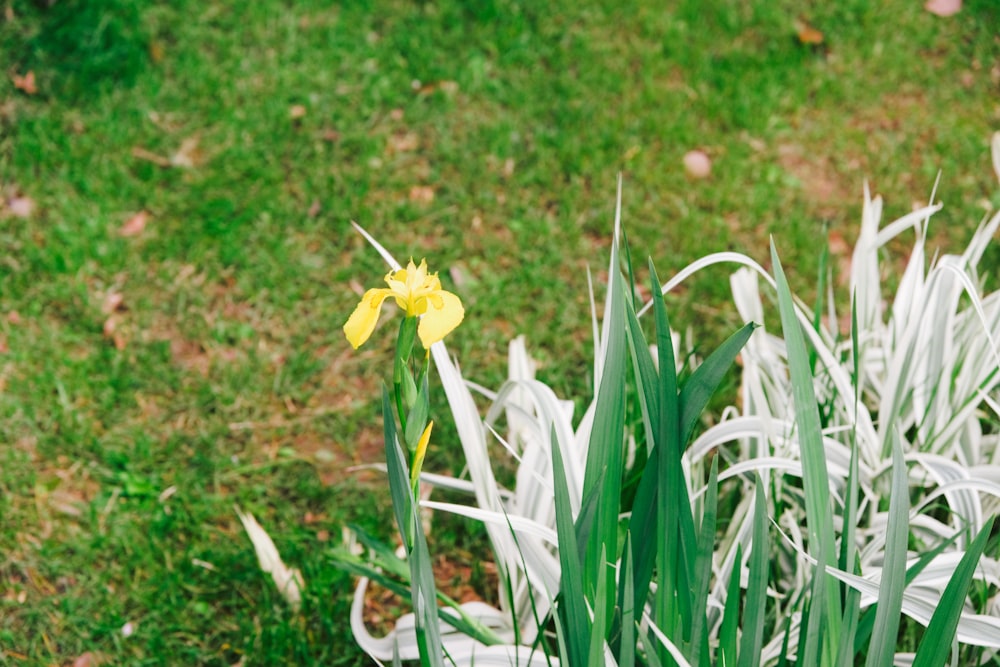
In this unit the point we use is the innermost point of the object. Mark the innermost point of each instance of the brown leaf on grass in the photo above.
(113, 301)
(112, 333)
(87, 659)
(296, 111)
(188, 155)
(21, 207)
(422, 194)
(150, 156)
(134, 225)
(807, 34)
(943, 7)
(403, 142)
(156, 52)
(697, 164)
(314, 209)
(26, 84)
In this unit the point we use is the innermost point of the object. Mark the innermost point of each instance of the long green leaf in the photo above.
(597, 525)
(703, 568)
(815, 633)
(940, 634)
(753, 613)
(815, 477)
(672, 602)
(643, 518)
(848, 546)
(599, 628)
(727, 656)
(626, 654)
(893, 582)
(576, 626)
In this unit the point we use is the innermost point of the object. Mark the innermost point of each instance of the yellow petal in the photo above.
(362, 321)
(444, 313)
(418, 456)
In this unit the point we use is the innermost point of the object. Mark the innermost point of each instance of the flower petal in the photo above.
(444, 313)
(362, 321)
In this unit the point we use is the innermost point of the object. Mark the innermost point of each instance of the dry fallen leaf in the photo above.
(156, 52)
(314, 209)
(943, 7)
(697, 164)
(296, 111)
(21, 207)
(134, 225)
(111, 332)
(87, 659)
(422, 194)
(807, 34)
(187, 155)
(112, 302)
(403, 142)
(26, 84)
(288, 580)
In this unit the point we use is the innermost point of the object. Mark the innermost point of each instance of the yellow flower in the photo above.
(418, 293)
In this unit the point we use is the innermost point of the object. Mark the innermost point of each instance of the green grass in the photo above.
(231, 381)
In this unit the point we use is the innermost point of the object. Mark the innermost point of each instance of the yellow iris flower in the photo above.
(417, 292)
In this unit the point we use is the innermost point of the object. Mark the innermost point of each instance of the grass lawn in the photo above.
(170, 307)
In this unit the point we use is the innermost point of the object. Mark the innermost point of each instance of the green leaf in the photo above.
(703, 568)
(599, 628)
(573, 607)
(705, 380)
(416, 421)
(940, 634)
(867, 621)
(597, 525)
(674, 524)
(423, 592)
(753, 613)
(626, 655)
(402, 496)
(727, 655)
(815, 477)
(893, 582)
